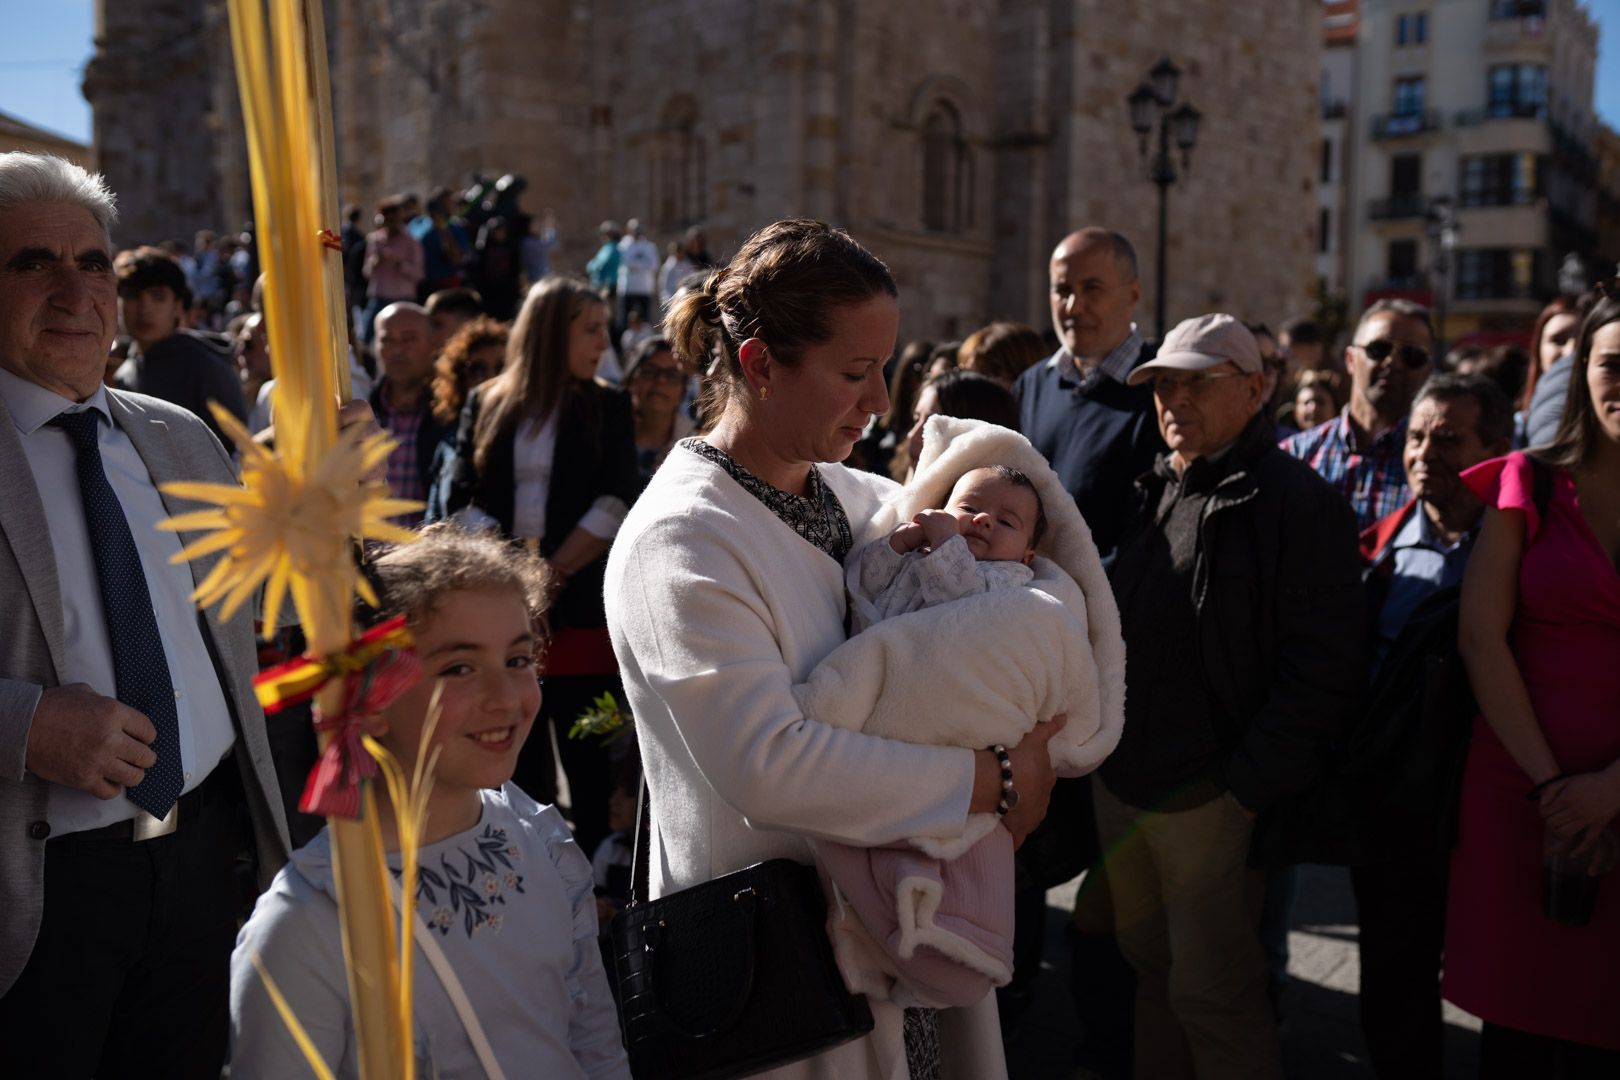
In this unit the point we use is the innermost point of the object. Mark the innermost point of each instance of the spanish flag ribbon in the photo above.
(297, 680)
(333, 788)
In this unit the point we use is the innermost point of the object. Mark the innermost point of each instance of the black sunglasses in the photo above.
(1412, 356)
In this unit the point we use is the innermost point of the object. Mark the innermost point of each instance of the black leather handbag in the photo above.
(731, 977)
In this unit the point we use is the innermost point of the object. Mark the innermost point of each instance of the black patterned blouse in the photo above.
(818, 517)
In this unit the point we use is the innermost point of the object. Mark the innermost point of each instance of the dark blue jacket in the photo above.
(1098, 440)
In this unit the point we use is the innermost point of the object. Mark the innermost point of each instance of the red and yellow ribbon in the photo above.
(296, 681)
(376, 668)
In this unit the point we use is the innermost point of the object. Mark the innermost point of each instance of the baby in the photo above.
(983, 539)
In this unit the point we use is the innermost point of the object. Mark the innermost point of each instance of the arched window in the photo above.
(678, 166)
(947, 172)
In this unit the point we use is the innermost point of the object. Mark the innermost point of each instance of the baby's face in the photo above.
(996, 517)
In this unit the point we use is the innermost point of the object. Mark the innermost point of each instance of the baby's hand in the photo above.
(938, 526)
(908, 537)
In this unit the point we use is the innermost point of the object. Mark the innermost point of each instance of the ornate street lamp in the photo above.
(1154, 101)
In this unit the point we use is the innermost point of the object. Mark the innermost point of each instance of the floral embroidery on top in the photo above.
(467, 883)
(818, 517)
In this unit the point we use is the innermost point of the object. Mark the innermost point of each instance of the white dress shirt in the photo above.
(206, 735)
(533, 452)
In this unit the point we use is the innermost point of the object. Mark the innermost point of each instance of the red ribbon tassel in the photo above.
(333, 789)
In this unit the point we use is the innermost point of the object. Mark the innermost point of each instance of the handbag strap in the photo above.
(641, 847)
(447, 979)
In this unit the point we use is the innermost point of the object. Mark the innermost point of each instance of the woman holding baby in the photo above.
(726, 588)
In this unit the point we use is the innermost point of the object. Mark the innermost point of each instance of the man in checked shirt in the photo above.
(1359, 451)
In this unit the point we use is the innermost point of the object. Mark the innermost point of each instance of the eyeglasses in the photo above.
(1413, 356)
(661, 374)
(1193, 382)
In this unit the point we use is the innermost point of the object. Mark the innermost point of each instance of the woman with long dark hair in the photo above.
(546, 454)
(1540, 635)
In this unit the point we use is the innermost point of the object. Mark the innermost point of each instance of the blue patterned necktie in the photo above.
(140, 667)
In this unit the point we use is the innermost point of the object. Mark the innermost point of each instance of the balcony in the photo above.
(1502, 110)
(1405, 125)
(1507, 290)
(1515, 26)
(1506, 10)
(1415, 288)
(1401, 205)
(1335, 110)
(1489, 197)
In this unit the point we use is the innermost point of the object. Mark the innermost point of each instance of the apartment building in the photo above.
(1475, 171)
(1340, 27)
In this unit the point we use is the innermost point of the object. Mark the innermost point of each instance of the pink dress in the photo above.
(1506, 962)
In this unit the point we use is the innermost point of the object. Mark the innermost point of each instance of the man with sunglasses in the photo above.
(1359, 452)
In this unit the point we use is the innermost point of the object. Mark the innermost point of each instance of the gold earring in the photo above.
(764, 393)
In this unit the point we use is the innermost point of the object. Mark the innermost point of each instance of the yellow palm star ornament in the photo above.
(279, 523)
(291, 527)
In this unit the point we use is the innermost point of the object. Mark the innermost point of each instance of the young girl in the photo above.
(503, 888)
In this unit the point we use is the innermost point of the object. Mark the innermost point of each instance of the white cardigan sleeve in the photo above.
(703, 640)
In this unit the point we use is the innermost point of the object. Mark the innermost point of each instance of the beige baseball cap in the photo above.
(1200, 344)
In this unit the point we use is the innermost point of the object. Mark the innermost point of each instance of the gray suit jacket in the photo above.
(175, 445)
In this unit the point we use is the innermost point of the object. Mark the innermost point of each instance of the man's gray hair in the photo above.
(1405, 309)
(26, 177)
(1495, 425)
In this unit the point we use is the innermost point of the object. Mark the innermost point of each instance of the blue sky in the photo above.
(46, 43)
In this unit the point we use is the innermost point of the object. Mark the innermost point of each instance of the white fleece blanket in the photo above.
(985, 669)
(975, 671)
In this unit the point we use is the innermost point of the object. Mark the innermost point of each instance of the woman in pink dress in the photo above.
(1540, 636)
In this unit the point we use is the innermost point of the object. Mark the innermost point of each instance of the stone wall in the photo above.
(150, 85)
(733, 113)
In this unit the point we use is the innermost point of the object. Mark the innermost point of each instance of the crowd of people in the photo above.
(1178, 615)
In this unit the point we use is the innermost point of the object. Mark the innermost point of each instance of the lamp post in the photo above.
(1155, 100)
(1442, 230)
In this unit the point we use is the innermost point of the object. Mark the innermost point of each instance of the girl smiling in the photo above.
(505, 892)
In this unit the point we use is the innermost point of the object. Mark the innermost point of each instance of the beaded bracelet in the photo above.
(1009, 794)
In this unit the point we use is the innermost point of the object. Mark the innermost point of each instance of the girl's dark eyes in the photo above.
(526, 660)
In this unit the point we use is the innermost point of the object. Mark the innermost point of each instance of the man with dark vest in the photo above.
(1076, 408)
(1099, 435)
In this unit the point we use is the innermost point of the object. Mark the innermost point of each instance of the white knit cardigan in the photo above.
(716, 610)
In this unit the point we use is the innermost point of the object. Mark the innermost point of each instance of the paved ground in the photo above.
(1321, 1036)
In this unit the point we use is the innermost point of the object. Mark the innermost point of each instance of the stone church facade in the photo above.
(959, 139)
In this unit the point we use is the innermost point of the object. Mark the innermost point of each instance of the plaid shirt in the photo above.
(1373, 480)
(404, 474)
(1116, 365)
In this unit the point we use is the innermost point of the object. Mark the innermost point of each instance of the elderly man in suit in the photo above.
(135, 775)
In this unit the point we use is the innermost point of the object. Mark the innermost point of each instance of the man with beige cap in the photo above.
(1240, 602)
